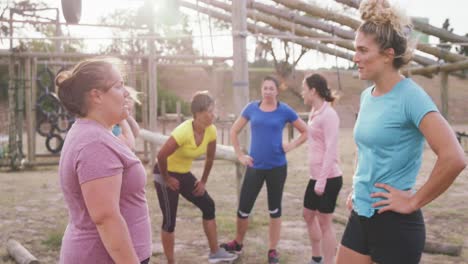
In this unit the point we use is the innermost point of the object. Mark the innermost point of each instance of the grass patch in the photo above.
(54, 239)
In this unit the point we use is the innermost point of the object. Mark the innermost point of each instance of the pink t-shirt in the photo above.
(91, 152)
(322, 134)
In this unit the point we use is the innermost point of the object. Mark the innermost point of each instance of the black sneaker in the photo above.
(273, 256)
(232, 247)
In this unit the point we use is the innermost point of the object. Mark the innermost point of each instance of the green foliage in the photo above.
(171, 100)
(54, 239)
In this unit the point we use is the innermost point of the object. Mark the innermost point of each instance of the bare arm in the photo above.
(133, 126)
(127, 135)
(236, 128)
(450, 162)
(101, 197)
(301, 126)
(210, 155)
(166, 150)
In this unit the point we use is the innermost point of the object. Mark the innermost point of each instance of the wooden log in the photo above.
(76, 55)
(268, 31)
(445, 67)
(306, 21)
(222, 151)
(420, 25)
(442, 248)
(317, 11)
(310, 22)
(20, 254)
(284, 25)
(444, 95)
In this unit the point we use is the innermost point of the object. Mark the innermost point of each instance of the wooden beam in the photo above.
(445, 67)
(268, 31)
(419, 25)
(317, 11)
(306, 21)
(222, 151)
(444, 96)
(78, 56)
(310, 22)
(284, 25)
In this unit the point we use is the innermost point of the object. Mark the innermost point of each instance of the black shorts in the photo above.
(327, 202)
(388, 237)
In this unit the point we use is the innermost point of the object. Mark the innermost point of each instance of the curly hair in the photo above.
(390, 27)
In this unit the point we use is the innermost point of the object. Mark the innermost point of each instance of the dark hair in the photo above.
(200, 102)
(273, 79)
(389, 27)
(86, 75)
(319, 83)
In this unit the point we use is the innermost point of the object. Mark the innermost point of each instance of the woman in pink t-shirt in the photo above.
(325, 175)
(101, 178)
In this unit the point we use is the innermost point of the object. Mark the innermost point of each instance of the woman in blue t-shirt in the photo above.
(395, 117)
(266, 161)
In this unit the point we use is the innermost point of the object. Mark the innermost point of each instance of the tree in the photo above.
(139, 23)
(285, 67)
(39, 17)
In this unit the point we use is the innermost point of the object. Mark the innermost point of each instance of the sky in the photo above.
(435, 10)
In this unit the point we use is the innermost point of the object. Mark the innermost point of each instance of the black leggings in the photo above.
(169, 199)
(253, 182)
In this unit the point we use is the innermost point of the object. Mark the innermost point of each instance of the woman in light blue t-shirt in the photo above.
(396, 116)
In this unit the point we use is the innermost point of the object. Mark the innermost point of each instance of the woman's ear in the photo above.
(95, 95)
(389, 55)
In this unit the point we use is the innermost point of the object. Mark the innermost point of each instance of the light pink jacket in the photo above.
(322, 133)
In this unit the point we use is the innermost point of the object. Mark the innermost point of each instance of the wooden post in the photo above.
(12, 133)
(144, 111)
(240, 73)
(32, 159)
(152, 93)
(179, 112)
(19, 253)
(444, 96)
(28, 107)
(163, 115)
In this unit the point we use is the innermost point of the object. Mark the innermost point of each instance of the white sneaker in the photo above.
(221, 255)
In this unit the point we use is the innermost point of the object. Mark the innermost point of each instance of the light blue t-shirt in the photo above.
(266, 128)
(389, 142)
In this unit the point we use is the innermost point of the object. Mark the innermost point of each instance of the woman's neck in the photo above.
(386, 81)
(197, 126)
(99, 119)
(268, 105)
(317, 103)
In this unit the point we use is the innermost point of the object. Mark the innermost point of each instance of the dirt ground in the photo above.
(33, 212)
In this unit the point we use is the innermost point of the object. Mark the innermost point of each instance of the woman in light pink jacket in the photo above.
(325, 175)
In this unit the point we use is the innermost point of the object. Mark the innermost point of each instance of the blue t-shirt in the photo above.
(266, 147)
(389, 142)
(116, 130)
